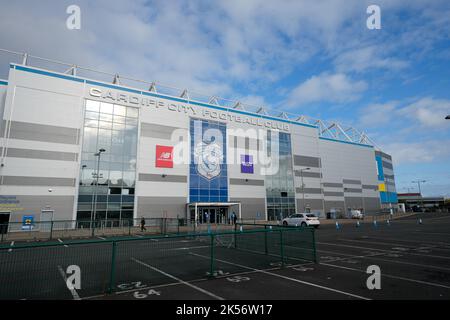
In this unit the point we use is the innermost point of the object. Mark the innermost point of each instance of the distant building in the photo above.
(415, 201)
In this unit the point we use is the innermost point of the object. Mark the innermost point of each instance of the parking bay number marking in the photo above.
(150, 292)
(138, 285)
(302, 269)
(238, 279)
(131, 285)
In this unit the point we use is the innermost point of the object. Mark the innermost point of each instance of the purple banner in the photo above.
(246, 163)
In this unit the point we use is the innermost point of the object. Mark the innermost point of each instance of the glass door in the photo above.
(212, 215)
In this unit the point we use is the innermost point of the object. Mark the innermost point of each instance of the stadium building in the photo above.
(79, 147)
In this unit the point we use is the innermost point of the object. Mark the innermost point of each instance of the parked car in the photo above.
(302, 220)
(356, 214)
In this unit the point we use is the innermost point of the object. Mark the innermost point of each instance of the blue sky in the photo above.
(306, 57)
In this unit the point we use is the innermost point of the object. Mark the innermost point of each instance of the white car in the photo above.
(356, 214)
(302, 220)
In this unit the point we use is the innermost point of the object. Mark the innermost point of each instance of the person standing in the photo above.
(143, 225)
(233, 218)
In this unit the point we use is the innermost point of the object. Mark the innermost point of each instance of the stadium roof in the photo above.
(326, 129)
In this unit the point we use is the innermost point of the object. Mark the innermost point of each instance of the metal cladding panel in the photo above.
(43, 143)
(305, 141)
(341, 161)
(33, 204)
(47, 107)
(252, 208)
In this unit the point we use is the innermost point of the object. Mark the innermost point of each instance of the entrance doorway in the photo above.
(213, 212)
(4, 221)
(46, 220)
(211, 215)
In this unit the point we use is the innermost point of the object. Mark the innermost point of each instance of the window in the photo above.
(280, 185)
(114, 128)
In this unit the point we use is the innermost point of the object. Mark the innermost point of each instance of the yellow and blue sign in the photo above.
(27, 222)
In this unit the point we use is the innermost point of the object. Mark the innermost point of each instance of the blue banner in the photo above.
(208, 166)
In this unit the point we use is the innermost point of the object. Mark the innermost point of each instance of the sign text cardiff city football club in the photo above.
(113, 96)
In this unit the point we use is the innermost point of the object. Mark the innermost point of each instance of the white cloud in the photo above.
(210, 47)
(377, 114)
(420, 113)
(428, 112)
(418, 152)
(370, 57)
(216, 48)
(254, 100)
(326, 87)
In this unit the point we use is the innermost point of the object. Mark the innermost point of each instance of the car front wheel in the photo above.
(304, 224)
(285, 223)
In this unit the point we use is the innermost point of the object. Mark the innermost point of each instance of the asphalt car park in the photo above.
(413, 256)
(414, 260)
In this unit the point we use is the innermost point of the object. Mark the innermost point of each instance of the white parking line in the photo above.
(390, 244)
(413, 241)
(389, 276)
(438, 233)
(405, 247)
(101, 238)
(63, 242)
(409, 245)
(386, 260)
(186, 248)
(12, 245)
(348, 256)
(179, 280)
(72, 291)
(171, 284)
(287, 278)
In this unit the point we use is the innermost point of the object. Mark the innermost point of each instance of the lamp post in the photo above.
(303, 186)
(408, 189)
(420, 192)
(98, 154)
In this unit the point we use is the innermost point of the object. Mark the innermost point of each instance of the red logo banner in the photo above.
(164, 157)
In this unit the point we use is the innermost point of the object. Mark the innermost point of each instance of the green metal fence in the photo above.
(39, 271)
(73, 229)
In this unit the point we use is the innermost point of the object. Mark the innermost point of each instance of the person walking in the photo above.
(143, 225)
(233, 218)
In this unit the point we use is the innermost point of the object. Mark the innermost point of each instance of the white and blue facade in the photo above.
(221, 159)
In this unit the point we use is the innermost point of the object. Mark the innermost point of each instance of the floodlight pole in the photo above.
(420, 191)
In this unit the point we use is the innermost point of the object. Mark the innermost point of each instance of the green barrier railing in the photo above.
(38, 270)
(72, 229)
